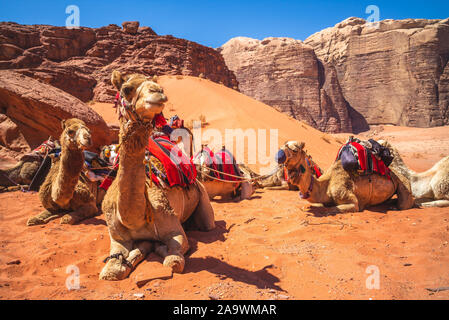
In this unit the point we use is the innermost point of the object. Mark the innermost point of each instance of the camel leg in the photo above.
(173, 249)
(436, 203)
(204, 217)
(403, 191)
(85, 212)
(115, 268)
(42, 218)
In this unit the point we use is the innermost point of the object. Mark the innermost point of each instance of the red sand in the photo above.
(263, 248)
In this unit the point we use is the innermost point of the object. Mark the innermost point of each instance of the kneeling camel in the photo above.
(338, 191)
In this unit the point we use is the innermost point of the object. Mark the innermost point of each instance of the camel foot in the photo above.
(175, 262)
(114, 270)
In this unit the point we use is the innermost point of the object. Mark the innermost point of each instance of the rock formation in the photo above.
(80, 61)
(286, 74)
(394, 74)
(31, 111)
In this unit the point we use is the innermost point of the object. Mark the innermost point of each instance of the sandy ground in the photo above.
(267, 247)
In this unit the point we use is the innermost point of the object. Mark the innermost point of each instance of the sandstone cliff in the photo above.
(80, 61)
(286, 74)
(394, 74)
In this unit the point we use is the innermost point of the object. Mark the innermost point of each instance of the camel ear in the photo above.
(63, 124)
(155, 78)
(117, 79)
(301, 146)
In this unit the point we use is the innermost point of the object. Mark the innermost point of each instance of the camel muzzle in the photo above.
(280, 157)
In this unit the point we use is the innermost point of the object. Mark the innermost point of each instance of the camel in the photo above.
(66, 192)
(137, 211)
(338, 191)
(22, 173)
(430, 188)
(226, 190)
(273, 181)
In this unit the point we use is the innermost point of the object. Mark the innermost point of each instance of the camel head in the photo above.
(75, 135)
(142, 94)
(295, 159)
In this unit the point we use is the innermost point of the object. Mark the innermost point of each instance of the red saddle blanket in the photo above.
(222, 161)
(179, 169)
(368, 163)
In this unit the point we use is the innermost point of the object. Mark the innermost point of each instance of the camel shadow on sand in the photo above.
(319, 212)
(262, 278)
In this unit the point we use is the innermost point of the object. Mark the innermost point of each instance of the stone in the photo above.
(286, 74)
(80, 61)
(130, 27)
(394, 74)
(151, 270)
(31, 111)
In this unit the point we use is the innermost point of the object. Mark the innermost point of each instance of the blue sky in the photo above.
(212, 23)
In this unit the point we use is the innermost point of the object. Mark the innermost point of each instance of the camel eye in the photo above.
(71, 132)
(127, 90)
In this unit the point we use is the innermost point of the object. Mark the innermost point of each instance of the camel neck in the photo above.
(131, 175)
(311, 187)
(70, 166)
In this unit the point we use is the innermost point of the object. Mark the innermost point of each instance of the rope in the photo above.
(240, 177)
(218, 179)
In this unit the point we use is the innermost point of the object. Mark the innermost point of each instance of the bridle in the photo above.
(127, 109)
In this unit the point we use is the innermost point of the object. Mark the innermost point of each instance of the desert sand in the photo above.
(267, 247)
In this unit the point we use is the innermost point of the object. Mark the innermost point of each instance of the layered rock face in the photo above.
(286, 74)
(80, 61)
(394, 74)
(31, 111)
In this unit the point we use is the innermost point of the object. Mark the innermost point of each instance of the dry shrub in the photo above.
(339, 140)
(202, 118)
(179, 77)
(325, 138)
(418, 155)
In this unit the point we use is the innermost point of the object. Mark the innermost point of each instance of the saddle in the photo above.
(365, 157)
(222, 161)
(168, 164)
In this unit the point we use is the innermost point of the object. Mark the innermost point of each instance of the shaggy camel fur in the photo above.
(65, 192)
(430, 188)
(137, 211)
(338, 191)
(22, 173)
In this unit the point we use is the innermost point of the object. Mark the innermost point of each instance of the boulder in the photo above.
(130, 27)
(31, 111)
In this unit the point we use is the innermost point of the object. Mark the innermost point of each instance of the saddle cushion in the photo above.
(355, 157)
